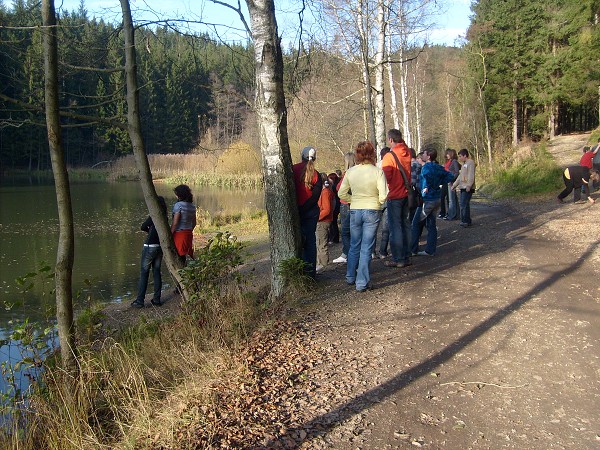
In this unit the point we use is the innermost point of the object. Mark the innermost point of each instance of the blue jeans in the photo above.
(363, 228)
(465, 206)
(308, 228)
(397, 210)
(418, 224)
(345, 225)
(385, 235)
(453, 203)
(151, 258)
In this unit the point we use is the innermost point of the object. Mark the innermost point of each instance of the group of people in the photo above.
(182, 226)
(582, 178)
(373, 196)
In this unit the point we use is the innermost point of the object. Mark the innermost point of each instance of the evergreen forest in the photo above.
(526, 71)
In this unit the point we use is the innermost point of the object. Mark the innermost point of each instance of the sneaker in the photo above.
(319, 268)
(559, 200)
(381, 256)
(440, 216)
(341, 260)
(373, 255)
(368, 287)
(137, 304)
(414, 254)
(424, 253)
(156, 302)
(465, 225)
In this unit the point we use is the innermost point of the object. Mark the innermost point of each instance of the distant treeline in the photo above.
(189, 83)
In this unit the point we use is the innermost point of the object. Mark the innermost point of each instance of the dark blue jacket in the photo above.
(432, 176)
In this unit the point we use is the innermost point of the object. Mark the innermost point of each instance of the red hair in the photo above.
(365, 152)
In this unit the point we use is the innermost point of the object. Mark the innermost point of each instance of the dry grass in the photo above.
(135, 391)
(238, 165)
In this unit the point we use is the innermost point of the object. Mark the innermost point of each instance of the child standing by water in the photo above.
(184, 221)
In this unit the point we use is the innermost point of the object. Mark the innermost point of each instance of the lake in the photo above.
(108, 240)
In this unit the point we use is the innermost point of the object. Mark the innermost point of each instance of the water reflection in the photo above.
(107, 238)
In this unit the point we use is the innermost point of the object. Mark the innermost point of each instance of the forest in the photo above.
(525, 71)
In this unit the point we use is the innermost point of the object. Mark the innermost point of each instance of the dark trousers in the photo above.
(444, 198)
(465, 206)
(151, 259)
(570, 186)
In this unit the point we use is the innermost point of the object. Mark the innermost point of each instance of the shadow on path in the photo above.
(324, 423)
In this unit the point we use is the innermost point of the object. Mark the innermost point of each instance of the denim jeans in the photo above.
(385, 234)
(465, 206)
(363, 228)
(345, 227)
(151, 258)
(418, 224)
(453, 204)
(397, 210)
(308, 228)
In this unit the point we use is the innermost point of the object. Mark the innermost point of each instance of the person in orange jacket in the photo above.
(326, 207)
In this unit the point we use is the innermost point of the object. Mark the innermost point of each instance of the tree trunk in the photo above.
(380, 132)
(393, 99)
(404, 97)
(66, 241)
(134, 127)
(280, 195)
(362, 27)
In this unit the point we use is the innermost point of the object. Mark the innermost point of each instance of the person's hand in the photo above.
(468, 189)
(592, 201)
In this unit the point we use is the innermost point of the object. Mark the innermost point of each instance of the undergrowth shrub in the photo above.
(530, 170)
(124, 383)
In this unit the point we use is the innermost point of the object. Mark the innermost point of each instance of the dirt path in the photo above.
(492, 343)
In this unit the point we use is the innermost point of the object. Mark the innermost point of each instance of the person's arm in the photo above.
(176, 219)
(344, 191)
(325, 203)
(314, 198)
(590, 199)
(470, 176)
(382, 187)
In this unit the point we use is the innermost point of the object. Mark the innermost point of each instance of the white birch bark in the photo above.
(393, 99)
(280, 197)
(380, 132)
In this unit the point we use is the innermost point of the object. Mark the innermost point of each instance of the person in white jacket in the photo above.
(465, 186)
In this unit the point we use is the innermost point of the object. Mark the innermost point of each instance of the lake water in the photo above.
(108, 242)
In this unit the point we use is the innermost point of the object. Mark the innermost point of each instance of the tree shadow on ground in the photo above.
(501, 235)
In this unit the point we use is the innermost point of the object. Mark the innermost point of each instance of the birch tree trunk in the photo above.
(134, 127)
(280, 196)
(362, 27)
(66, 242)
(379, 81)
(393, 99)
(404, 98)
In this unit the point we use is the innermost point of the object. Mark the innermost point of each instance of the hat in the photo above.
(309, 153)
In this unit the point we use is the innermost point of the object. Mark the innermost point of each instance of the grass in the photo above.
(134, 390)
(528, 171)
